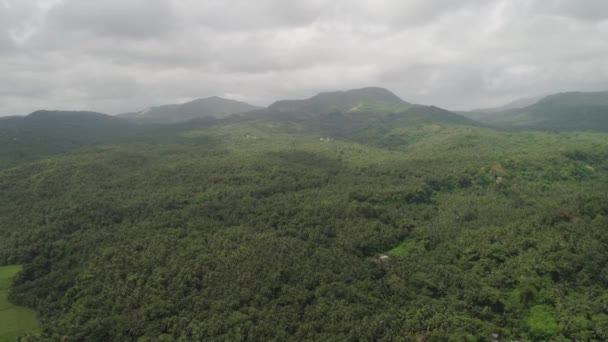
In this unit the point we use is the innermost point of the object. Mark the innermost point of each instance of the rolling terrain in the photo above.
(347, 216)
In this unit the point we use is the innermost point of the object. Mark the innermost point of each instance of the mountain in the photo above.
(66, 124)
(356, 100)
(367, 115)
(201, 108)
(573, 111)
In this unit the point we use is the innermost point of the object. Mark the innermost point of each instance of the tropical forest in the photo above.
(348, 216)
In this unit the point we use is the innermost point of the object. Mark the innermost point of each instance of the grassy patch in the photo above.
(405, 247)
(14, 320)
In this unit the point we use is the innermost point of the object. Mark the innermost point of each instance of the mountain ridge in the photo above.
(213, 106)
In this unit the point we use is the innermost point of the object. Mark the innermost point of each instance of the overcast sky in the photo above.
(123, 55)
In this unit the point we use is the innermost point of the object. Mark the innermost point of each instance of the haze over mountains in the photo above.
(339, 113)
(564, 111)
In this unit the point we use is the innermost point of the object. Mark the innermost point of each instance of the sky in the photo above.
(117, 56)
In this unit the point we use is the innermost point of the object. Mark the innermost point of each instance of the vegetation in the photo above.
(408, 225)
(15, 321)
(560, 112)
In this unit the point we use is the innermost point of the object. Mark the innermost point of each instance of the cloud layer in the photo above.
(122, 55)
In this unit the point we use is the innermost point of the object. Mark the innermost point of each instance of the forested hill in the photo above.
(356, 113)
(46, 120)
(367, 115)
(364, 99)
(216, 107)
(572, 111)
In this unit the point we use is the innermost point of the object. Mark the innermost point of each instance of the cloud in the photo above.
(123, 55)
(595, 10)
(240, 15)
(116, 18)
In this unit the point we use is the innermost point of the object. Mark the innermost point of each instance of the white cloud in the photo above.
(121, 55)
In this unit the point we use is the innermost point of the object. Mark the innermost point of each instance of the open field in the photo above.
(14, 320)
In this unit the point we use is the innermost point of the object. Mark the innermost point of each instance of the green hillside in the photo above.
(560, 112)
(14, 321)
(276, 227)
(365, 114)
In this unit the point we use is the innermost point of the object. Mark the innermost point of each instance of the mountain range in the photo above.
(558, 112)
(347, 114)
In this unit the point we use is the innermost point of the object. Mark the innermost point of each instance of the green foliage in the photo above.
(258, 230)
(405, 248)
(542, 323)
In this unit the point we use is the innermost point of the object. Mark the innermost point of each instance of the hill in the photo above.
(44, 133)
(367, 113)
(202, 108)
(352, 113)
(575, 111)
(356, 100)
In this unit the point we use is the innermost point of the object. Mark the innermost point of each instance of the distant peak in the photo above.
(368, 98)
(213, 106)
(45, 112)
(364, 90)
